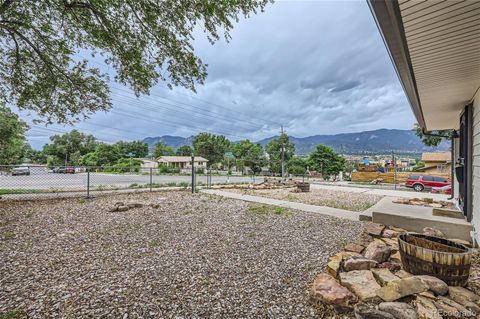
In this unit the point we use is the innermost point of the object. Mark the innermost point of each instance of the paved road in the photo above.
(79, 180)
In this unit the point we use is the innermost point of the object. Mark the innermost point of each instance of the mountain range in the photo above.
(379, 141)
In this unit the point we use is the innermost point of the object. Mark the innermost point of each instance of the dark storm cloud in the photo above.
(316, 67)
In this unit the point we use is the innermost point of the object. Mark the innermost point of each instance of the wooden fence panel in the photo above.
(387, 177)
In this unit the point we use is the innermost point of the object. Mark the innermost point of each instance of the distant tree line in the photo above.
(78, 149)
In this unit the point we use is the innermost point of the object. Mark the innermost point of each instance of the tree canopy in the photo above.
(135, 149)
(432, 140)
(12, 137)
(67, 148)
(249, 155)
(41, 63)
(184, 150)
(211, 147)
(274, 150)
(326, 161)
(162, 149)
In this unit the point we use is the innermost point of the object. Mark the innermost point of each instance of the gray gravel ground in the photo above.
(357, 202)
(194, 256)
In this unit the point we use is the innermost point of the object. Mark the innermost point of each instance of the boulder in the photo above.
(436, 285)
(378, 252)
(383, 275)
(327, 290)
(390, 233)
(400, 288)
(363, 311)
(426, 309)
(430, 231)
(403, 274)
(358, 263)
(374, 229)
(360, 282)
(390, 265)
(122, 208)
(356, 248)
(400, 310)
(333, 265)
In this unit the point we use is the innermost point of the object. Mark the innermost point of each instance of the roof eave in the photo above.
(389, 22)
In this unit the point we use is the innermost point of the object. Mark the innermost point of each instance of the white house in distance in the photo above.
(182, 162)
(435, 48)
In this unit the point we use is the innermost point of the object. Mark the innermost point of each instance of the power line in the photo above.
(157, 105)
(236, 112)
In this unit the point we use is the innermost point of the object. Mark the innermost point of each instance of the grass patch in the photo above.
(152, 243)
(13, 314)
(7, 191)
(268, 210)
(9, 235)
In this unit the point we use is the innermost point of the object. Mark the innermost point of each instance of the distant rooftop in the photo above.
(179, 159)
(436, 156)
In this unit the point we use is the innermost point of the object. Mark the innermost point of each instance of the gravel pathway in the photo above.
(193, 256)
(357, 202)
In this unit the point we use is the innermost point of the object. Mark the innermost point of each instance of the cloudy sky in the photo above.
(315, 67)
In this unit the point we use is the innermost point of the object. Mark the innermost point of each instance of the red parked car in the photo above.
(420, 182)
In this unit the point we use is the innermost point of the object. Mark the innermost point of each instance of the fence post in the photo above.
(88, 182)
(193, 173)
(151, 172)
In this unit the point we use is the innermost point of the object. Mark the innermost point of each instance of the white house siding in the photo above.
(476, 166)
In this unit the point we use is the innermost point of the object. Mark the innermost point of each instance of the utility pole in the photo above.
(394, 171)
(282, 132)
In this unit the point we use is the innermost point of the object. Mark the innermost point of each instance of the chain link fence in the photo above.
(40, 181)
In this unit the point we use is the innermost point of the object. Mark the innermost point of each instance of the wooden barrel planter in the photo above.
(438, 257)
(304, 187)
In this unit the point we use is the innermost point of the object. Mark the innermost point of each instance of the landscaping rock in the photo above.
(333, 266)
(378, 252)
(436, 285)
(327, 290)
(426, 309)
(400, 288)
(135, 205)
(429, 231)
(390, 265)
(396, 257)
(363, 311)
(392, 242)
(398, 229)
(403, 274)
(451, 307)
(360, 282)
(356, 248)
(358, 263)
(390, 233)
(113, 209)
(464, 297)
(375, 229)
(122, 208)
(383, 275)
(400, 310)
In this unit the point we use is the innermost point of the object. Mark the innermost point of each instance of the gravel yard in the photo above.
(356, 202)
(193, 256)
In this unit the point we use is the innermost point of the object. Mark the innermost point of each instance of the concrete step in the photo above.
(416, 218)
